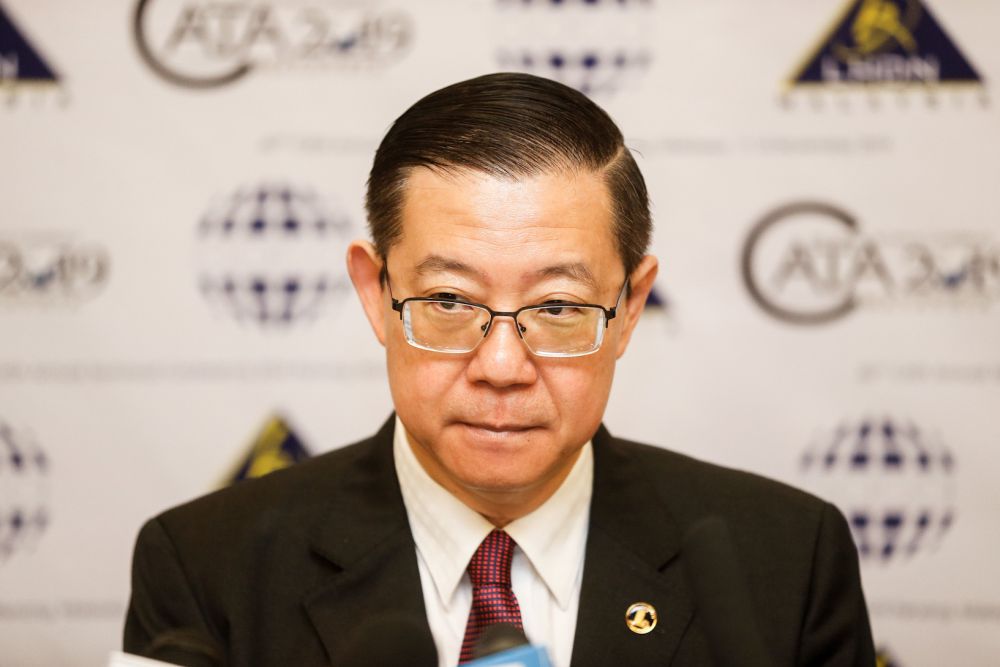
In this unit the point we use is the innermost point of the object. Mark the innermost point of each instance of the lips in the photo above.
(499, 428)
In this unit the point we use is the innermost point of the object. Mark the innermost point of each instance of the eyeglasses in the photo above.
(551, 329)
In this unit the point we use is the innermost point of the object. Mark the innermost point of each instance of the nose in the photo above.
(502, 360)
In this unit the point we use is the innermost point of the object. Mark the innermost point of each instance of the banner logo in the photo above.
(276, 447)
(51, 269)
(893, 480)
(271, 254)
(897, 42)
(811, 263)
(595, 46)
(24, 470)
(885, 658)
(21, 63)
(212, 43)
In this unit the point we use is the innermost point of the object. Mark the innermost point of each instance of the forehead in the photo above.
(508, 226)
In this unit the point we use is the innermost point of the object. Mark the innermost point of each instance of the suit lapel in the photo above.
(365, 535)
(632, 546)
(631, 554)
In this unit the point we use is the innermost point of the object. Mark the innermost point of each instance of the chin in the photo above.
(500, 472)
(495, 484)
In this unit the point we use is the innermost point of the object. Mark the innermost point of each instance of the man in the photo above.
(507, 273)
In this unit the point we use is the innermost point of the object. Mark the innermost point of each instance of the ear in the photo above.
(641, 282)
(364, 266)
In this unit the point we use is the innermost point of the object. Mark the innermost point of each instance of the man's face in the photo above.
(499, 421)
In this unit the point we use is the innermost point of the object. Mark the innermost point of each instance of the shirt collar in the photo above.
(447, 532)
(554, 536)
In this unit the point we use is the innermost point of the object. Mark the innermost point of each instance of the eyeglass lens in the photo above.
(456, 327)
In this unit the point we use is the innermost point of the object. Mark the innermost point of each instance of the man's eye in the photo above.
(560, 309)
(446, 296)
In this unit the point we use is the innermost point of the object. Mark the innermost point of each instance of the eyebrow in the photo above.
(437, 263)
(575, 271)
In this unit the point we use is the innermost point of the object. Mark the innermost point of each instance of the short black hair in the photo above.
(508, 125)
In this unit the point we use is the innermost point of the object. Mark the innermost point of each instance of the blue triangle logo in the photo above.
(655, 300)
(276, 447)
(19, 60)
(879, 42)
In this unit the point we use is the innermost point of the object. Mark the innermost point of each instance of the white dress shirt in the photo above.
(546, 571)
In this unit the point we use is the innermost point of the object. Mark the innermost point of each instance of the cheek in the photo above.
(580, 390)
(418, 377)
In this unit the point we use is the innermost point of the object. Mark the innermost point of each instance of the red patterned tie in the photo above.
(493, 599)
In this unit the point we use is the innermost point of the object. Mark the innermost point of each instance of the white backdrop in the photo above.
(144, 344)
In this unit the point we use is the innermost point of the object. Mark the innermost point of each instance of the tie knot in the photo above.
(491, 562)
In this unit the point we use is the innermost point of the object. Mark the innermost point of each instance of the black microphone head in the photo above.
(389, 640)
(499, 637)
(186, 647)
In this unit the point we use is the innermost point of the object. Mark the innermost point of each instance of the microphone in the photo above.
(389, 640)
(721, 596)
(505, 644)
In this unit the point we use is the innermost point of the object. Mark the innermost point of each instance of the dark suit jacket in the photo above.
(283, 570)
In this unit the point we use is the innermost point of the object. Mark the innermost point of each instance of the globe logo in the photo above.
(271, 254)
(24, 470)
(595, 46)
(893, 480)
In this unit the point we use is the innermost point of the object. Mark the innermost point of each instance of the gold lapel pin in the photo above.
(641, 618)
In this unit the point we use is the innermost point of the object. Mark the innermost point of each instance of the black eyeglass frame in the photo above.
(609, 313)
